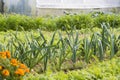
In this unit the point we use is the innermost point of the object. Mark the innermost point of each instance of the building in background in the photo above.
(77, 4)
(57, 7)
(26, 7)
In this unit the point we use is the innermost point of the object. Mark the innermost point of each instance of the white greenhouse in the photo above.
(57, 7)
(77, 4)
(48, 7)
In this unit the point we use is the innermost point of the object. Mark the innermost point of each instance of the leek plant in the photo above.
(34, 50)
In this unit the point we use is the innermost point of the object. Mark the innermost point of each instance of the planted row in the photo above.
(80, 21)
(67, 52)
(106, 70)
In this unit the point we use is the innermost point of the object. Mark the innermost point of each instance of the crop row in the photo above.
(107, 70)
(79, 21)
(68, 51)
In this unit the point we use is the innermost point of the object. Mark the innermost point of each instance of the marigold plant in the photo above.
(14, 62)
(11, 68)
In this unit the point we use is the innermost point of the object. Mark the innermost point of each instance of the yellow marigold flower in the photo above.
(1, 67)
(5, 72)
(22, 66)
(14, 62)
(3, 56)
(20, 72)
(8, 54)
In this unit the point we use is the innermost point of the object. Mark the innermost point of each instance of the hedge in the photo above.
(79, 21)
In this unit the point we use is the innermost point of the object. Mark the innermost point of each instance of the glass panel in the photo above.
(49, 1)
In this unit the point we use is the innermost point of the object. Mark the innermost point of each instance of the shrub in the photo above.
(79, 21)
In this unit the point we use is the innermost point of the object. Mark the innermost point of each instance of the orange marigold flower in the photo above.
(1, 67)
(14, 62)
(20, 72)
(22, 66)
(3, 55)
(5, 72)
(8, 54)
(27, 70)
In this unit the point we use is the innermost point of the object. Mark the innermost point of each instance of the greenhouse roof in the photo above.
(77, 3)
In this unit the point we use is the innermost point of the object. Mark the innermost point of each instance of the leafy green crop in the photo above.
(106, 70)
(66, 51)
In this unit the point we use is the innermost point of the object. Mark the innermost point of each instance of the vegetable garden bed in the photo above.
(64, 54)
